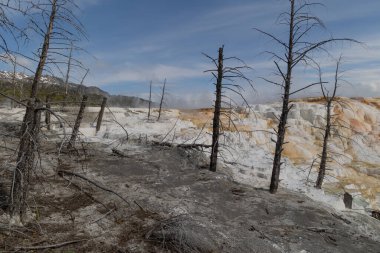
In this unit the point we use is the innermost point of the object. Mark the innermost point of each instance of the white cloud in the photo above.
(145, 73)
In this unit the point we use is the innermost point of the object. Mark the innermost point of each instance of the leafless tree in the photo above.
(29, 132)
(329, 103)
(161, 101)
(14, 65)
(297, 49)
(56, 22)
(78, 121)
(80, 86)
(150, 99)
(223, 73)
(68, 69)
(84, 76)
(101, 113)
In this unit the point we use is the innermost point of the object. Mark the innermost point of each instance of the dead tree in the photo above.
(217, 109)
(150, 99)
(25, 160)
(67, 76)
(161, 101)
(297, 50)
(78, 121)
(100, 116)
(14, 65)
(47, 112)
(56, 23)
(329, 103)
(84, 76)
(29, 133)
(222, 73)
(68, 69)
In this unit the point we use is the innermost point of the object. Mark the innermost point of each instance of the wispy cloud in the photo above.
(143, 73)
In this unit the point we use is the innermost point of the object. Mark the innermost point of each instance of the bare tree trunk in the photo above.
(217, 110)
(29, 133)
(67, 77)
(80, 87)
(78, 121)
(47, 112)
(84, 77)
(100, 116)
(150, 99)
(322, 166)
(326, 136)
(25, 161)
(275, 179)
(45, 49)
(14, 81)
(68, 70)
(162, 100)
(230, 115)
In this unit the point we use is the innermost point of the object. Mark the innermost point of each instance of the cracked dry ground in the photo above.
(176, 205)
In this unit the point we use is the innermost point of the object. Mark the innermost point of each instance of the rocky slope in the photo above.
(178, 205)
(247, 145)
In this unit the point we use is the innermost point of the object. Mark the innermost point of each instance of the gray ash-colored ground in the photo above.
(175, 206)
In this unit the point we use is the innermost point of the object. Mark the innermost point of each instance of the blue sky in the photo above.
(134, 41)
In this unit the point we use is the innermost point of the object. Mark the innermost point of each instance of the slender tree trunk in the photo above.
(230, 115)
(322, 166)
(100, 116)
(29, 133)
(150, 99)
(14, 82)
(68, 70)
(44, 52)
(217, 110)
(162, 100)
(47, 113)
(25, 162)
(78, 121)
(84, 77)
(67, 77)
(275, 179)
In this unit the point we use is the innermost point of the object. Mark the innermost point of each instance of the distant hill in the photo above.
(55, 88)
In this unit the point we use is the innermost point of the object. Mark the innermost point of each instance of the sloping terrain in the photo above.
(175, 206)
(247, 144)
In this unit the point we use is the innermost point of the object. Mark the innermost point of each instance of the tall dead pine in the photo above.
(329, 103)
(78, 121)
(161, 101)
(217, 110)
(297, 49)
(100, 116)
(222, 73)
(29, 132)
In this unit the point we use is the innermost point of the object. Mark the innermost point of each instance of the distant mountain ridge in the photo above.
(55, 84)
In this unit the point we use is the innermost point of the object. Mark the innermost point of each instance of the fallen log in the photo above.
(184, 146)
